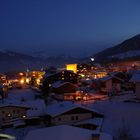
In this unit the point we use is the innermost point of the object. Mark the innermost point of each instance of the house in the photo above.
(61, 87)
(91, 124)
(136, 80)
(65, 75)
(10, 114)
(110, 83)
(65, 132)
(68, 112)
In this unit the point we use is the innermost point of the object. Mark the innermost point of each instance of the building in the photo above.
(91, 124)
(69, 113)
(110, 84)
(72, 67)
(136, 80)
(65, 132)
(10, 114)
(67, 76)
(61, 87)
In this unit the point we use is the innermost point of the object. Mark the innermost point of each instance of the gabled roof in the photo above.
(135, 78)
(65, 106)
(60, 83)
(106, 78)
(64, 132)
(10, 103)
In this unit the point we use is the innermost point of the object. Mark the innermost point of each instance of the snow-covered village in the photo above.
(69, 70)
(80, 102)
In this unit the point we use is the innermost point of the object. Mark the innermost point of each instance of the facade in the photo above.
(61, 87)
(65, 75)
(11, 113)
(70, 113)
(110, 84)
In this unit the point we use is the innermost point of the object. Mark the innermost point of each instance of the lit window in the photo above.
(23, 116)
(9, 115)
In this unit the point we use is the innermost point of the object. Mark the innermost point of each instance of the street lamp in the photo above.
(92, 59)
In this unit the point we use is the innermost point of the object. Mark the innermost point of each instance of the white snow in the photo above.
(116, 112)
(127, 54)
(135, 78)
(64, 132)
(59, 108)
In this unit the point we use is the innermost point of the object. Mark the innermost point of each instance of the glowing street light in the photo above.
(92, 59)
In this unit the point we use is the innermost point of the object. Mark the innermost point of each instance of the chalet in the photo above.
(67, 76)
(110, 83)
(136, 80)
(65, 132)
(70, 113)
(10, 114)
(91, 124)
(61, 87)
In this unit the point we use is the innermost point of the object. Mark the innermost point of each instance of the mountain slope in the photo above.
(128, 49)
(11, 60)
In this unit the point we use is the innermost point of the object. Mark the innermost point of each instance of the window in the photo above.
(18, 111)
(72, 118)
(59, 119)
(76, 118)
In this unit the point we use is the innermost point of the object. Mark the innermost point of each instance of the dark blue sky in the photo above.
(74, 27)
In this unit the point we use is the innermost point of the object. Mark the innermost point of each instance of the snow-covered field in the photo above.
(118, 113)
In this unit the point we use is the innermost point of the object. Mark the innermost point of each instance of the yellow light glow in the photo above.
(21, 74)
(22, 81)
(27, 80)
(38, 81)
(82, 75)
(72, 67)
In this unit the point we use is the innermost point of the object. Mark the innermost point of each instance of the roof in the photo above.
(106, 78)
(53, 74)
(64, 132)
(14, 103)
(61, 83)
(62, 107)
(135, 78)
(38, 108)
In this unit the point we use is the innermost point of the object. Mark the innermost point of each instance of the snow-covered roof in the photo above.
(94, 121)
(38, 108)
(134, 71)
(135, 78)
(12, 103)
(64, 132)
(106, 78)
(60, 108)
(60, 83)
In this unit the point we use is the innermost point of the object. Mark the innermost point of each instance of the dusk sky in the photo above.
(71, 27)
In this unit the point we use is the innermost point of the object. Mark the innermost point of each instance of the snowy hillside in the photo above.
(127, 54)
